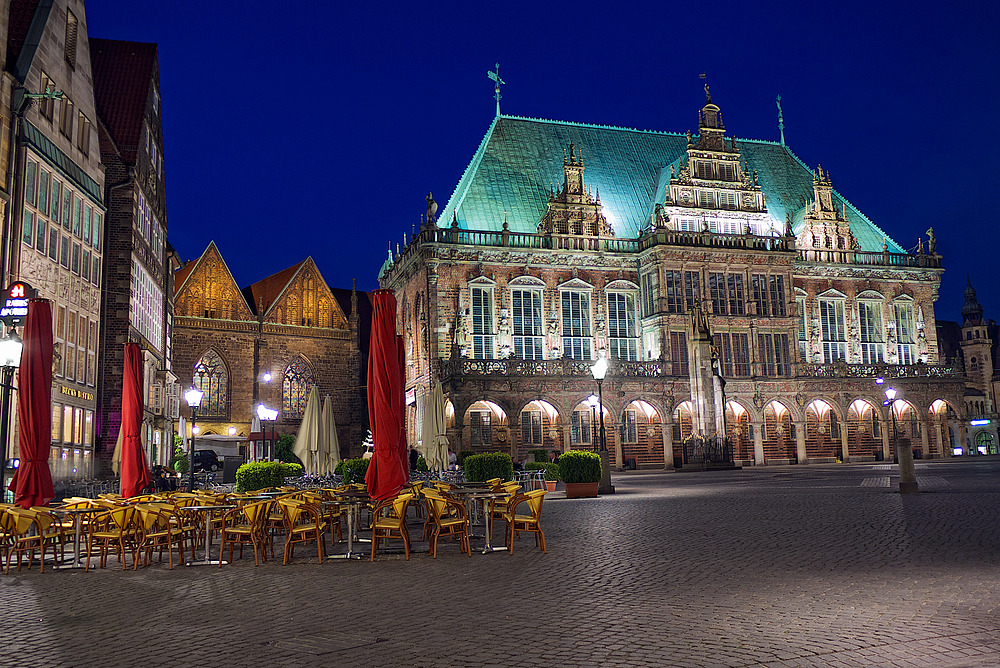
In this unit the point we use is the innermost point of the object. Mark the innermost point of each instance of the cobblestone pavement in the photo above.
(776, 566)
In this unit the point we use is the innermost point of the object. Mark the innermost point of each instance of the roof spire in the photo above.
(495, 76)
(781, 120)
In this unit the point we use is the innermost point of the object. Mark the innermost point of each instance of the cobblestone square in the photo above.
(773, 566)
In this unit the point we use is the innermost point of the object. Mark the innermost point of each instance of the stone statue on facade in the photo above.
(931, 241)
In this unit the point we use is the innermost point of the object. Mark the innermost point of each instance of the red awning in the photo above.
(32, 483)
(388, 470)
(135, 471)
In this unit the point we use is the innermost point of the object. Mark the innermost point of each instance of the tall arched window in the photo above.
(211, 377)
(295, 388)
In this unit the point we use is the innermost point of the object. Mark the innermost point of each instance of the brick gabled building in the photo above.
(53, 238)
(138, 283)
(269, 343)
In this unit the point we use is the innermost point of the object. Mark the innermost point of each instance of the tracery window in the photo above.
(295, 388)
(212, 378)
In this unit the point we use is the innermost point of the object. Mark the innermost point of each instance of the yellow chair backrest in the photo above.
(20, 520)
(399, 504)
(123, 518)
(292, 509)
(535, 498)
(256, 512)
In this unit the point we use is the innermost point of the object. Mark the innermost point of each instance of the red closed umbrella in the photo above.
(32, 483)
(388, 470)
(136, 475)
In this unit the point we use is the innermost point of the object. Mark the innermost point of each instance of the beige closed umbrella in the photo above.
(306, 445)
(330, 455)
(433, 435)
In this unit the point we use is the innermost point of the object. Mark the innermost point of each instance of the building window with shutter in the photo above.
(905, 332)
(870, 321)
(531, 427)
(674, 292)
(576, 339)
(482, 323)
(479, 428)
(831, 313)
(623, 331)
(802, 328)
(71, 35)
(526, 308)
(692, 289)
(678, 354)
(581, 429)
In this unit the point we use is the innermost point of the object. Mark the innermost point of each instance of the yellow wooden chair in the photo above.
(121, 527)
(388, 519)
(518, 523)
(30, 530)
(448, 518)
(245, 525)
(161, 529)
(303, 523)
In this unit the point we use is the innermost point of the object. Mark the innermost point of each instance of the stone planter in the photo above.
(581, 490)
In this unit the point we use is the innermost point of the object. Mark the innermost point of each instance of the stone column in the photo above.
(886, 440)
(925, 440)
(939, 433)
(963, 436)
(800, 441)
(845, 454)
(668, 444)
(758, 443)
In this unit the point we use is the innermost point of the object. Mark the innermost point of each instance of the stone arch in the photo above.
(640, 433)
(778, 433)
(683, 426)
(487, 427)
(738, 428)
(537, 426)
(864, 430)
(823, 428)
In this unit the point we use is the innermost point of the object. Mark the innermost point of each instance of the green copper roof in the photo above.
(521, 158)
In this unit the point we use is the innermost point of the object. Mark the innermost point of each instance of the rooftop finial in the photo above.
(708, 94)
(495, 76)
(781, 120)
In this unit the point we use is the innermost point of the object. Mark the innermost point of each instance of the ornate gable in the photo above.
(306, 301)
(825, 233)
(574, 210)
(208, 290)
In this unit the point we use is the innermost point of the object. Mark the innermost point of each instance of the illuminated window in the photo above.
(576, 324)
(212, 378)
(623, 331)
(56, 422)
(295, 386)
(904, 332)
(531, 427)
(581, 429)
(526, 309)
(870, 317)
(480, 431)
(482, 323)
(831, 313)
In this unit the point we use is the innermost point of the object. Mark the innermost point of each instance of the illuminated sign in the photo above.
(73, 392)
(411, 396)
(15, 303)
(979, 423)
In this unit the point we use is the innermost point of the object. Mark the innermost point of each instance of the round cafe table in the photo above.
(207, 511)
(77, 514)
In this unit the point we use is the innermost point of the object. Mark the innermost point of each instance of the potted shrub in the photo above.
(551, 473)
(580, 472)
(480, 468)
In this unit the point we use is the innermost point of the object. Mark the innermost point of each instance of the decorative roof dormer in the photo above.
(574, 210)
(825, 229)
(710, 187)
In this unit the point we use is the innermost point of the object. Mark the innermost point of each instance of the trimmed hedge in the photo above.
(260, 475)
(353, 470)
(580, 466)
(551, 470)
(540, 455)
(460, 457)
(480, 468)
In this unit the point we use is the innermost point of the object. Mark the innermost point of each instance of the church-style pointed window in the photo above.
(212, 378)
(295, 388)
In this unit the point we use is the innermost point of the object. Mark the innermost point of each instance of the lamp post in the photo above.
(265, 414)
(193, 399)
(592, 402)
(599, 370)
(904, 453)
(10, 360)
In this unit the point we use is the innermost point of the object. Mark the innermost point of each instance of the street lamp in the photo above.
(592, 401)
(10, 360)
(904, 455)
(193, 399)
(267, 415)
(599, 370)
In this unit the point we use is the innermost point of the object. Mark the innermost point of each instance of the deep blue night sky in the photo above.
(295, 129)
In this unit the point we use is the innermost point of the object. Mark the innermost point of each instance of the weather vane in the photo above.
(495, 76)
(781, 120)
(708, 95)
